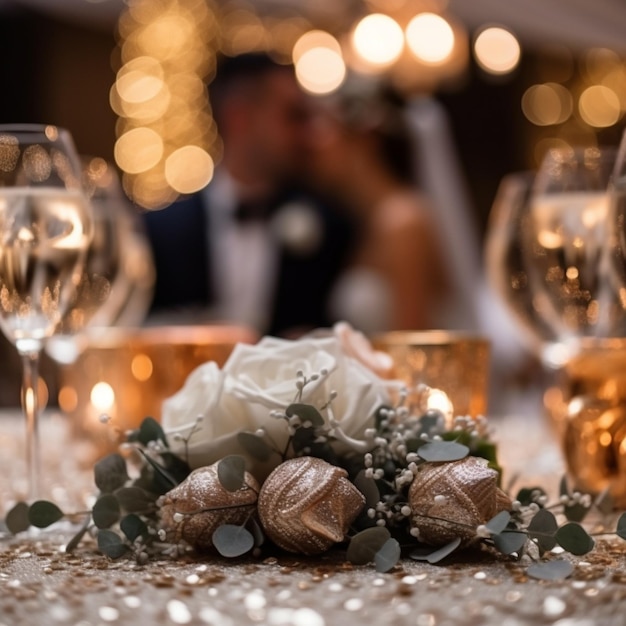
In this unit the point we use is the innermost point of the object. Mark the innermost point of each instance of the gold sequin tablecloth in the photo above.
(40, 584)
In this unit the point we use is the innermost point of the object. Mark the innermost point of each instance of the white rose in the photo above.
(257, 379)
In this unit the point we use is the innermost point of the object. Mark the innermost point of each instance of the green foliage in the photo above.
(542, 529)
(364, 546)
(232, 541)
(42, 514)
(528, 495)
(438, 554)
(306, 413)
(573, 538)
(443, 451)
(387, 556)
(110, 473)
(231, 472)
(255, 446)
(151, 431)
(111, 544)
(369, 489)
(106, 511)
(135, 500)
(133, 526)
(17, 518)
(498, 523)
(510, 541)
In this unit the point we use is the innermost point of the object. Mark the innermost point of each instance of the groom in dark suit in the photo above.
(253, 247)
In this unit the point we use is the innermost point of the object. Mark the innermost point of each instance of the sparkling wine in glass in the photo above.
(565, 242)
(505, 262)
(45, 229)
(107, 283)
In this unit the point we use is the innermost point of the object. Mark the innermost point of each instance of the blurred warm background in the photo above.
(514, 77)
(508, 80)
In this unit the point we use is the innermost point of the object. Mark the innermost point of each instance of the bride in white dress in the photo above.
(397, 278)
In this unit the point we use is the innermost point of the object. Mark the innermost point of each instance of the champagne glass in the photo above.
(45, 229)
(107, 283)
(616, 249)
(505, 263)
(564, 246)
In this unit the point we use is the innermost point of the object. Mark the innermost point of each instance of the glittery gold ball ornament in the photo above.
(450, 500)
(306, 505)
(193, 510)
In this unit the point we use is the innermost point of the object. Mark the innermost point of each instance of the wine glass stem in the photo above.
(30, 404)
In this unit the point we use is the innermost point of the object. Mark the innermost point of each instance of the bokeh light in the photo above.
(167, 53)
(430, 38)
(599, 106)
(314, 39)
(189, 169)
(102, 397)
(497, 50)
(547, 104)
(138, 150)
(378, 39)
(320, 71)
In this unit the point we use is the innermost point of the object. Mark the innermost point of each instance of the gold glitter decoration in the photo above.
(306, 505)
(450, 500)
(193, 510)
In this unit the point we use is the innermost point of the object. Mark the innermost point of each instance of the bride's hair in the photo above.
(378, 109)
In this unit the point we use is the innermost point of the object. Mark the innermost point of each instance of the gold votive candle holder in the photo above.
(127, 373)
(588, 407)
(455, 362)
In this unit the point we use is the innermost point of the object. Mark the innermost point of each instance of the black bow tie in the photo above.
(248, 211)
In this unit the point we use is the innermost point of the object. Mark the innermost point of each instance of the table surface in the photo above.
(40, 584)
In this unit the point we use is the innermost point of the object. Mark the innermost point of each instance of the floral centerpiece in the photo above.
(307, 444)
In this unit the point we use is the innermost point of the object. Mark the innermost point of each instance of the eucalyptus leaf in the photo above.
(111, 544)
(232, 541)
(621, 526)
(254, 445)
(563, 487)
(257, 532)
(573, 538)
(162, 480)
(364, 545)
(575, 512)
(231, 472)
(510, 541)
(306, 413)
(17, 518)
(72, 544)
(525, 494)
(151, 430)
(551, 570)
(43, 513)
(135, 500)
(542, 528)
(133, 526)
(302, 439)
(605, 503)
(498, 523)
(176, 467)
(443, 451)
(369, 489)
(388, 556)
(110, 473)
(106, 511)
(438, 554)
